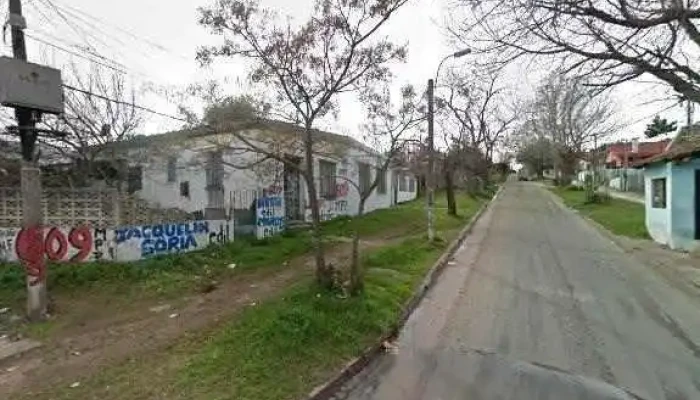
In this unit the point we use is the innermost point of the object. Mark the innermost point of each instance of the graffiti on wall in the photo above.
(83, 243)
(137, 242)
(269, 215)
(331, 209)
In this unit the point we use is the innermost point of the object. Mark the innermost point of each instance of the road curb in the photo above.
(352, 368)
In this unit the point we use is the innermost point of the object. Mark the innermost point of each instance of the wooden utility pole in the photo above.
(30, 242)
(430, 198)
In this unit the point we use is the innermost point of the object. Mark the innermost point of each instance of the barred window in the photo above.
(327, 177)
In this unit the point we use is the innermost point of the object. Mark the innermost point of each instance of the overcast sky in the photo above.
(155, 41)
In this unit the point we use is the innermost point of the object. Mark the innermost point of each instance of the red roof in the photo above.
(686, 144)
(646, 149)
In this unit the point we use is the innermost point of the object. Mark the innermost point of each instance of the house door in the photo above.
(697, 204)
(292, 193)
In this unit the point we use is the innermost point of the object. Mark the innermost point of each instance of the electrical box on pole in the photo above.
(31, 86)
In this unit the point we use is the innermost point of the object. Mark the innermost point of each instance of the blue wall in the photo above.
(683, 205)
(658, 220)
(675, 225)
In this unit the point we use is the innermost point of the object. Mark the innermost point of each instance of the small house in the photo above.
(672, 192)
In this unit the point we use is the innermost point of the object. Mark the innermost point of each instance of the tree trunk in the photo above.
(450, 189)
(357, 276)
(324, 274)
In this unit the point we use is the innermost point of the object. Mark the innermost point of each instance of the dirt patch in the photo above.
(98, 333)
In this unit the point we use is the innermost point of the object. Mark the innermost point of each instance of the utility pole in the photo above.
(430, 198)
(31, 239)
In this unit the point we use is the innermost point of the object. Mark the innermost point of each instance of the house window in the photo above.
(134, 181)
(658, 193)
(411, 185)
(402, 183)
(381, 181)
(185, 189)
(327, 179)
(364, 177)
(172, 169)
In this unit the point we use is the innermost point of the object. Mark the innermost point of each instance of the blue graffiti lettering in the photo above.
(173, 243)
(189, 242)
(271, 221)
(147, 248)
(158, 231)
(161, 245)
(120, 233)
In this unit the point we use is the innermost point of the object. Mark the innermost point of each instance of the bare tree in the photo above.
(612, 41)
(100, 114)
(477, 117)
(572, 117)
(389, 127)
(306, 66)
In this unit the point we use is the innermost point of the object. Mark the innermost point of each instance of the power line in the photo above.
(63, 17)
(74, 53)
(126, 103)
(67, 8)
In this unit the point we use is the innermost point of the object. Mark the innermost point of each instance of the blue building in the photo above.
(672, 195)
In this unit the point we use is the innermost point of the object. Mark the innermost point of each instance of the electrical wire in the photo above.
(67, 8)
(126, 103)
(74, 53)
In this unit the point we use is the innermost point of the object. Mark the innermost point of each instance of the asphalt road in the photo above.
(538, 304)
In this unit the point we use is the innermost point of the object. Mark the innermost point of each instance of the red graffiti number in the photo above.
(30, 250)
(56, 245)
(81, 239)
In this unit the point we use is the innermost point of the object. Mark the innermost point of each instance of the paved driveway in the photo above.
(540, 305)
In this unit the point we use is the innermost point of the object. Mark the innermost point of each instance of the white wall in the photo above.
(191, 167)
(658, 220)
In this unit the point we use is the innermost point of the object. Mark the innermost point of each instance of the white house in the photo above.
(217, 174)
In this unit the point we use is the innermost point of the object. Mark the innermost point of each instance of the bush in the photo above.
(596, 198)
(574, 188)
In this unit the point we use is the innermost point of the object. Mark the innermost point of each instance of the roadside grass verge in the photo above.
(409, 218)
(621, 217)
(283, 347)
(171, 275)
(162, 276)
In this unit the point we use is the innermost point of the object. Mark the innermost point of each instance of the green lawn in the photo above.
(284, 347)
(621, 217)
(409, 218)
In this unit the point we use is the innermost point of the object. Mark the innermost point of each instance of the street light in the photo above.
(431, 141)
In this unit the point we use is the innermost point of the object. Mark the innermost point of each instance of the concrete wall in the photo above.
(128, 243)
(658, 220)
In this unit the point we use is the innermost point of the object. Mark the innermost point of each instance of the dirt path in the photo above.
(120, 334)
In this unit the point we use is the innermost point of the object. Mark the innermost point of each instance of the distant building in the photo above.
(622, 155)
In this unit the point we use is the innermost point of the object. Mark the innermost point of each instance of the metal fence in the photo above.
(625, 179)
